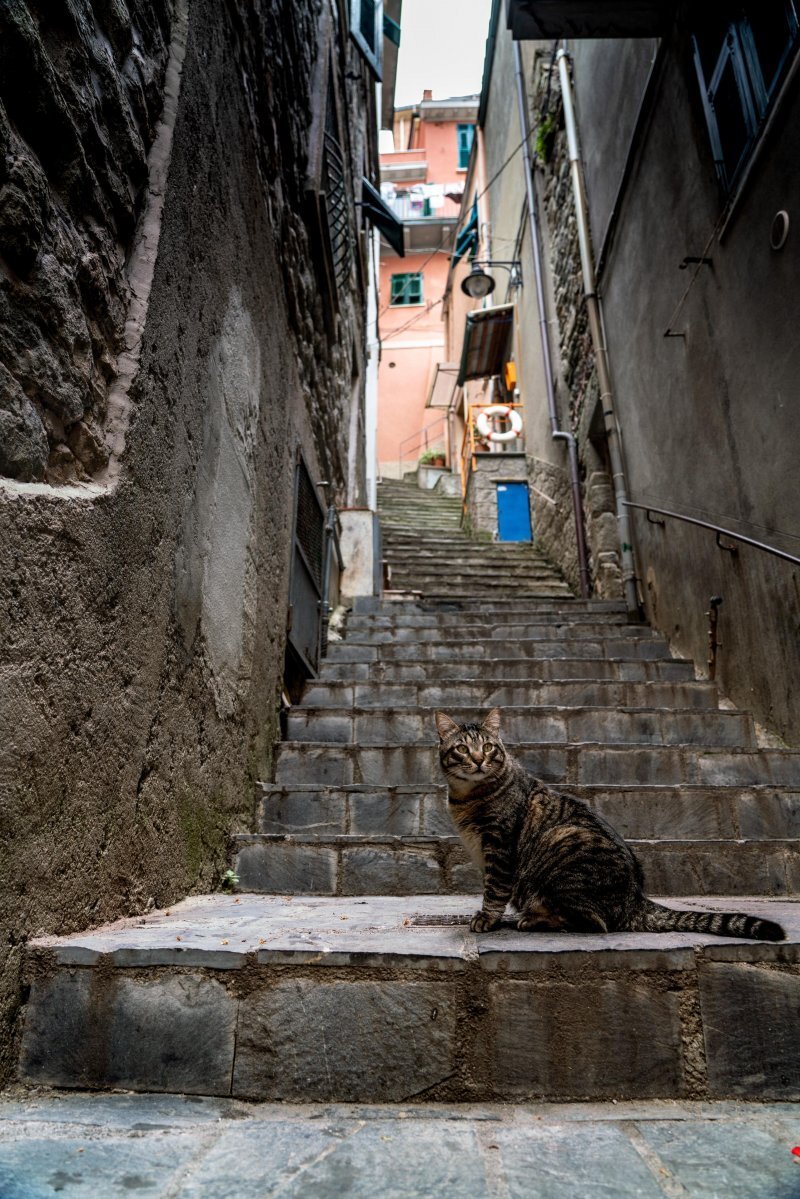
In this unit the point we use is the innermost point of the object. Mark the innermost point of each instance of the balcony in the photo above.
(423, 204)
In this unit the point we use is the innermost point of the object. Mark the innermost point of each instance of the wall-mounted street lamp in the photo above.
(479, 283)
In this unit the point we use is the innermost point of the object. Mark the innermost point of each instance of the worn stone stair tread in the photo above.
(340, 695)
(254, 996)
(571, 724)
(520, 670)
(363, 864)
(221, 931)
(586, 762)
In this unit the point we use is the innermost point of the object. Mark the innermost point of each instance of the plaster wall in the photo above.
(439, 139)
(709, 417)
(408, 357)
(144, 622)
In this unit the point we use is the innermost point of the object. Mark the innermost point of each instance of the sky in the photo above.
(441, 47)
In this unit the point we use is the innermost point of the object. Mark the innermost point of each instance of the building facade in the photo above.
(184, 275)
(663, 321)
(422, 180)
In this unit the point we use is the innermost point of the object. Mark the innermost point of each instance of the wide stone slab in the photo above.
(345, 1040)
(377, 998)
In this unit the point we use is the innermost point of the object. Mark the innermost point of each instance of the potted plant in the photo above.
(432, 458)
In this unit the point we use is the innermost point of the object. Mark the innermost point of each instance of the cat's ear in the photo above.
(445, 726)
(491, 722)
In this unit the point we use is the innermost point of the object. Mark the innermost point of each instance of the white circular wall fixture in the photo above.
(780, 230)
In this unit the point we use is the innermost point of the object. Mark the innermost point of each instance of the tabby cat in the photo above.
(550, 855)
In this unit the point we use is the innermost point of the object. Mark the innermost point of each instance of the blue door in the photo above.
(513, 512)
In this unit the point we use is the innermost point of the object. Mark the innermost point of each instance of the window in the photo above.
(406, 289)
(366, 30)
(466, 133)
(740, 64)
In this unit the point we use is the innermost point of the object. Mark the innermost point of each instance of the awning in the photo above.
(543, 20)
(443, 385)
(486, 339)
(378, 211)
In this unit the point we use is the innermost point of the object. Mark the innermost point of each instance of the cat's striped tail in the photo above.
(653, 918)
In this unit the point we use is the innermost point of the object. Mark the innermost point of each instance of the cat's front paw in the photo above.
(482, 922)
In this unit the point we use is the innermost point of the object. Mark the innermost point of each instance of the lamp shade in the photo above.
(477, 284)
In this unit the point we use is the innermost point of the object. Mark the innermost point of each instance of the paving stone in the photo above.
(733, 1160)
(594, 1039)
(286, 868)
(399, 1038)
(81, 1168)
(258, 1160)
(320, 812)
(170, 1033)
(395, 813)
(750, 1017)
(381, 872)
(549, 1163)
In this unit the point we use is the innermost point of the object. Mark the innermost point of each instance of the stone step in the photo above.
(565, 633)
(414, 576)
(488, 694)
(627, 645)
(501, 618)
(497, 670)
(687, 812)
(567, 765)
(567, 725)
(469, 606)
(315, 864)
(393, 999)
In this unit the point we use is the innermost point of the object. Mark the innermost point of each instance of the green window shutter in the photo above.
(465, 134)
(406, 289)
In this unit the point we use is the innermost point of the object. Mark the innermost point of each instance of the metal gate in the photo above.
(306, 582)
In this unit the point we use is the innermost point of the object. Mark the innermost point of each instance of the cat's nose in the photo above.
(477, 756)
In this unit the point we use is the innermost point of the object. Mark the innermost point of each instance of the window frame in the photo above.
(393, 292)
(756, 96)
(461, 127)
(372, 56)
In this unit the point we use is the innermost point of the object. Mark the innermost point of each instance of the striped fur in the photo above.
(548, 854)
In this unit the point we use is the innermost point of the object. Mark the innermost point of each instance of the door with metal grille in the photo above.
(306, 581)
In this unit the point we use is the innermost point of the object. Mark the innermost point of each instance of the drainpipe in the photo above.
(556, 433)
(598, 339)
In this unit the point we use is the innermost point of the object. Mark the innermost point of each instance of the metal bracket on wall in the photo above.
(713, 643)
(653, 520)
(731, 549)
(691, 260)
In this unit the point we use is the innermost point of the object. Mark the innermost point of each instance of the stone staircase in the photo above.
(345, 971)
(428, 551)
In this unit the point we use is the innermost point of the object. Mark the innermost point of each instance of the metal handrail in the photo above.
(720, 532)
(420, 437)
(332, 555)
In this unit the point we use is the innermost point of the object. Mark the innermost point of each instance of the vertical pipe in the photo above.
(533, 224)
(598, 339)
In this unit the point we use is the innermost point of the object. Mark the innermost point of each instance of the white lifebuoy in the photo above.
(510, 414)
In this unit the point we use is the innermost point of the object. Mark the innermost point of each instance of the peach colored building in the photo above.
(422, 180)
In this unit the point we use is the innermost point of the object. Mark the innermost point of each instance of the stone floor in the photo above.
(178, 1147)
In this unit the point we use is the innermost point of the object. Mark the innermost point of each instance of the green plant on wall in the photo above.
(429, 456)
(545, 136)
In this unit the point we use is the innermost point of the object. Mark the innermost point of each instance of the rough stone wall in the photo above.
(144, 623)
(81, 87)
(577, 378)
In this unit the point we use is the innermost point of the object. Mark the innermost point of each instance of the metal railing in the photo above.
(420, 441)
(331, 574)
(718, 529)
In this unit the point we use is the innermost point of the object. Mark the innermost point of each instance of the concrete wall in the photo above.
(709, 418)
(144, 616)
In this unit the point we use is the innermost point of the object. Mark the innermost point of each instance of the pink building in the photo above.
(422, 180)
